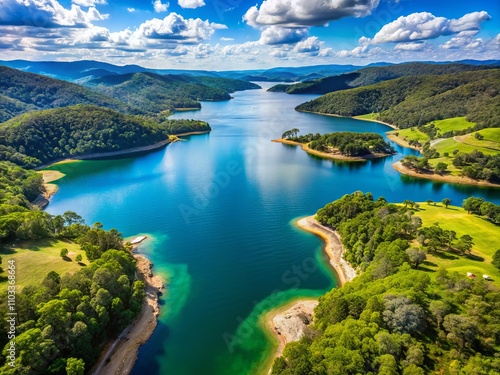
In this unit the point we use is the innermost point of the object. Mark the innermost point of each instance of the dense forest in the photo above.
(44, 136)
(417, 100)
(347, 143)
(154, 93)
(393, 318)
(372, 75)
(64, 320)
(22, 92)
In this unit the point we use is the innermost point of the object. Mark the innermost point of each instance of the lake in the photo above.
(219, 210)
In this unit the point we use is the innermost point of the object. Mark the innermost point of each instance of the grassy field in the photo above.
(369, 116)
(485, 234)
(491, 139)
(450, 144)
(411, 134)
(35, 259)
(455, 123)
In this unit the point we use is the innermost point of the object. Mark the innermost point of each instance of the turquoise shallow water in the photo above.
(219, 210)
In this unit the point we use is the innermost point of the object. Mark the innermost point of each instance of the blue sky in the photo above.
(241, 34)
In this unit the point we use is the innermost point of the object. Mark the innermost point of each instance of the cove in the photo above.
(219, 210)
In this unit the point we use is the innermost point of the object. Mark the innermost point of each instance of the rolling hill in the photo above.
(417, 100)
(154, 93)
(371, 75)
(45, 136)
(22, 92)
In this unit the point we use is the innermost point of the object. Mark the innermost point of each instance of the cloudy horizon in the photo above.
(241, 34)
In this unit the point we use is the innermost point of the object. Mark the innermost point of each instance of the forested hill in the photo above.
(45, 136)
(22, 92)
(417, 100)
(400, 315)
(372, 75)
(154, 93)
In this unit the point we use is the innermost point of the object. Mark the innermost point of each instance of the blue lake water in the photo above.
(219, 210)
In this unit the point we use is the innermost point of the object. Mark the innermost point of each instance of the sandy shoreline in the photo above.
(287, 322)
(50, 189)
(443, 178)
(120, 356)
(326, 155)
(401, 142)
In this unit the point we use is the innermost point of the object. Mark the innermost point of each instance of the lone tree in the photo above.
(78, 258)
(416, 256)
(63, 253)
(429, 201)
(441, 167)
(464, 244)
(446, 202)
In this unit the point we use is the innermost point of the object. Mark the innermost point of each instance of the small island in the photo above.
(346, 146)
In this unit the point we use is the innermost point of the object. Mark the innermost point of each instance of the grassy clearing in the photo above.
(369, 116)
(450, 144)
(411, 134)
(455, 123)
(35, 259)
(491, 139)
(485, 234)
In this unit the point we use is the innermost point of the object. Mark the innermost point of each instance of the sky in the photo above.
(249, 34)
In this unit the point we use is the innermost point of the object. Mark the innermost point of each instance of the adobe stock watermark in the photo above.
(293, 277)
(11, 313)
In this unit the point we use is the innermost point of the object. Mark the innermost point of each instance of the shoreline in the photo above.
(450, 179)
(192, 133)
(353, 117)
(120, 356)
(99, 155)
(401, 142)
(326, 155)
(51, 189)
(304, 306)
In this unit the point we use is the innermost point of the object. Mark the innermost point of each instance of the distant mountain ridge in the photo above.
(371, 75)
(84, 69)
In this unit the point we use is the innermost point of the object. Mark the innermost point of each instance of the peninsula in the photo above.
(289, 322)
(344, 146)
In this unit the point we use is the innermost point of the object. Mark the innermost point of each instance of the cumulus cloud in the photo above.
(159, 7)
(224, 39)
(310, 45)
(191, 4)
(424, 25)
(46, 14)
(88, 3)
(412, 46)
(306, 12)
(176, 27)
(131, 10)
(280, 35)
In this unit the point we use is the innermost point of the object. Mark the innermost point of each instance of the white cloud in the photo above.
(424, 25)
(281, 35)
(412, 46)
(306, 12)
(224, 39)
(159, 7)
(131, 10)
(46, 14)
(310, 45)
(174, 27)
(88, 3)
(191, 4)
